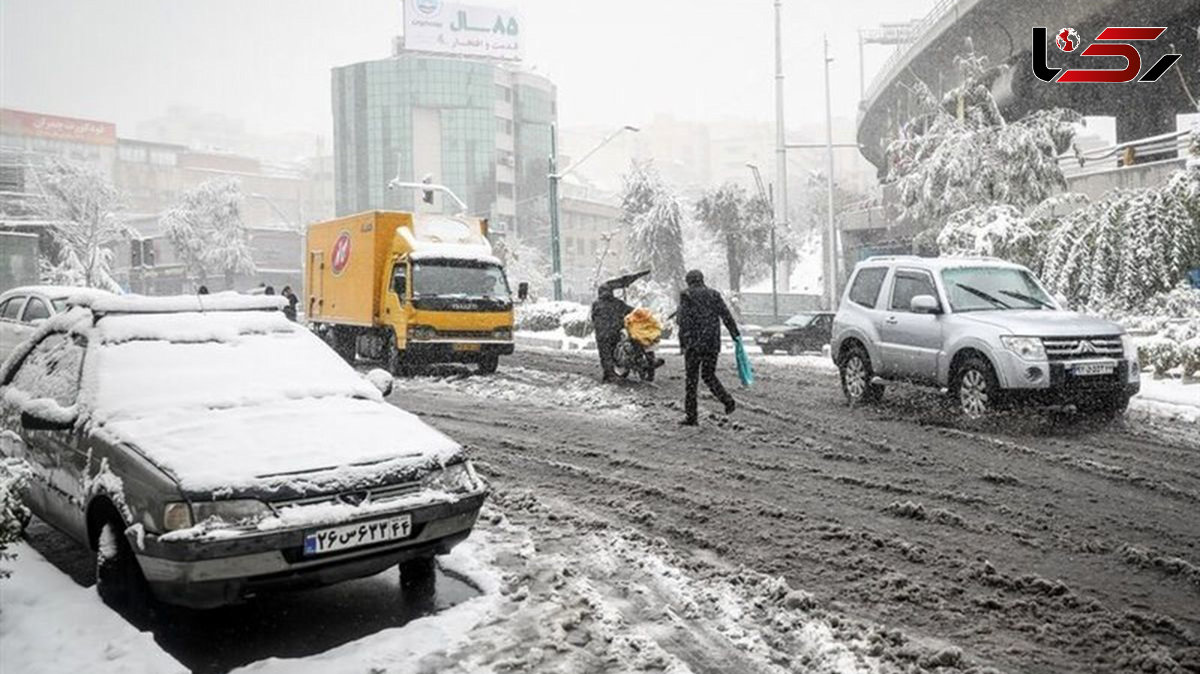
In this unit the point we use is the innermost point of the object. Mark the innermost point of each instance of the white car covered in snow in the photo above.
(210, 450)
(23, 309)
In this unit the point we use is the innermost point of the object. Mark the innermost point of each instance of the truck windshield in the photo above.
(457, 278)
(993, 289)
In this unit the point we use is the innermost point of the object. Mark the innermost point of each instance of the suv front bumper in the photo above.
(1058, 384)
(211, 572)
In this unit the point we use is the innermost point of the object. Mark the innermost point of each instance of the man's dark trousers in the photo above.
(701, 365)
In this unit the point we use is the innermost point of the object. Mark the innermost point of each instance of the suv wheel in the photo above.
(976, 388)
(119, 579)
(856, 375)
(795, 349)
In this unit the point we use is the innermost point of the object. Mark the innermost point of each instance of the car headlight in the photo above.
(455, 478)
(420, 332)
(1129, 347)
(232, 512)
(1028, 348)
(176, 516)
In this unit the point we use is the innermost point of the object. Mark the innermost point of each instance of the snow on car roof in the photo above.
(56, 292)
(141, 304)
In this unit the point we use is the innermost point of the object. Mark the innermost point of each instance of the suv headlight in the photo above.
(1129, 348)
(232, 512)
(456, 478)
(1028, 348)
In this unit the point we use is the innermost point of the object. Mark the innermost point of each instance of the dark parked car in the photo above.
(209, 450)
(808, 331)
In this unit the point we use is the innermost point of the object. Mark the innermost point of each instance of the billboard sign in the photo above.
(462, 29)
(19, 123)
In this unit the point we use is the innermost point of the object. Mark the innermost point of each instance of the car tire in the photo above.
(976, 390)
(795, 349)
(488, 364)
(418, 581)
(856, 373)
(767, 350)
(119, 579)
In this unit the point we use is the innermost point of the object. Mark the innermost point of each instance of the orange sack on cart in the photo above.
(643, 327)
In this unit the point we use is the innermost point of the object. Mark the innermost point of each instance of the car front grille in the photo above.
(354, 497)
(1080, 348)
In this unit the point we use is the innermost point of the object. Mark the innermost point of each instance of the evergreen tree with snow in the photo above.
(652, 215)
(205, 227)
(81, 207)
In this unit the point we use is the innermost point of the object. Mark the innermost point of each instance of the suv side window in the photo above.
(52, 369)
(35, 310)
(867, 284)
(909, 284)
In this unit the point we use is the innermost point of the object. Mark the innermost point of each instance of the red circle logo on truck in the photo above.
(341, 253)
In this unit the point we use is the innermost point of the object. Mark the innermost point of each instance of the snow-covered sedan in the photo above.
(23, 309)
(209, 450)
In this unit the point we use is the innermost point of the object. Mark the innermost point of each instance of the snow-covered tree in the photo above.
(959, 152)
(82, 207)
(13, 474)
(741, 224)
(524, 263)
(653, 216)
(995, 230)
(205, 227)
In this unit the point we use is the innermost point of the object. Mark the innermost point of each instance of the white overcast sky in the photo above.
(268, 61)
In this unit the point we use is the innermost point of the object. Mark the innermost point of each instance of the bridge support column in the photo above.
(1143, 121)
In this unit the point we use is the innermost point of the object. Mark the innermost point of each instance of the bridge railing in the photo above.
(1126, 153)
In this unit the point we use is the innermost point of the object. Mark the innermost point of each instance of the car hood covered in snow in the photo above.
(237, 400)
(1044, 323)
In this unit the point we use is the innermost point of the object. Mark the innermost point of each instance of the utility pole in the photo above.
(780, 200)
(831, 263)
(769, 195)
(555, 251)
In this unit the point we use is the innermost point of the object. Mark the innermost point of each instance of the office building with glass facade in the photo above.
(480, 127)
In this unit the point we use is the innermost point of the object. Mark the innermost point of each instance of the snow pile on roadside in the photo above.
(536, 387)
(50, 624)
(1168, 398)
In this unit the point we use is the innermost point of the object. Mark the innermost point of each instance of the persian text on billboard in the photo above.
(456, 28)
(20, 123)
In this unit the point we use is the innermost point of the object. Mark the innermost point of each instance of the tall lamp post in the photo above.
(770, 199)
(555, 176)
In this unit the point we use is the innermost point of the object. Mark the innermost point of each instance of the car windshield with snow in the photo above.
(211, 450)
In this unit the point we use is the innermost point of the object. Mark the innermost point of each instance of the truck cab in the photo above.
(409, 289)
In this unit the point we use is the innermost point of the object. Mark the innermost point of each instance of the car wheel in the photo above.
(119, 579)
(1109, 407)
(418, 581)
(856, 375)
(976, 388)
(767, 350)
(795, 349)
(488, 364)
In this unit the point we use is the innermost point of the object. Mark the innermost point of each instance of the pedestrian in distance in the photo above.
(608, 318)
(700, 315)
(202, 290)
(292, 301)
(270, 290)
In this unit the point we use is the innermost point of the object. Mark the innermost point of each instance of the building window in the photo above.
(131, 153)
(506, 126)
(503, 93)
(162, 158)
(504, 189)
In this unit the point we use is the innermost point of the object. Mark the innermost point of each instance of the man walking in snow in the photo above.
(608, 318)
(701, 313)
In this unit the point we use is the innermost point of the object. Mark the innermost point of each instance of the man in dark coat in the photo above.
(701, 313)
(608, 319)
(290, 309)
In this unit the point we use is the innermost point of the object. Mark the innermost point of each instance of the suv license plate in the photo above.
(1092, 369)
(357, 535)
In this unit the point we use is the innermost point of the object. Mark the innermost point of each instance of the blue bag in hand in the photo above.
(745, 373)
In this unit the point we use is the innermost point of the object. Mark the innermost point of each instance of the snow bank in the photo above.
(226, 301)
(50, 624)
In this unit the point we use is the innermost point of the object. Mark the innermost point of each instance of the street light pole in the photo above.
(780, 201)
(831, 263)
(555, 176)
(769, 195)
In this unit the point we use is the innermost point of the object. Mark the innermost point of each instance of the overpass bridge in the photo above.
(1002, 30)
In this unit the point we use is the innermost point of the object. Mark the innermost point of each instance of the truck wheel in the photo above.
(856, 374)
(119, 579)
(488, 364)
(976, 388)
(395, 360)
(342, 341)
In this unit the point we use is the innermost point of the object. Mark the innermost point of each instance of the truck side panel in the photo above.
(344, 267)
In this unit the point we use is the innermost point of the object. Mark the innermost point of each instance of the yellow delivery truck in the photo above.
(408, 288)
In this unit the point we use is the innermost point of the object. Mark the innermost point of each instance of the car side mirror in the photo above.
(37, 421)
(925, 304)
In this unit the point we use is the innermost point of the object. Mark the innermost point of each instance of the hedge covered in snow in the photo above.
(547, 316)
(13, 513)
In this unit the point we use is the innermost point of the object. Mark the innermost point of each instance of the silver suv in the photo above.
(984, 329)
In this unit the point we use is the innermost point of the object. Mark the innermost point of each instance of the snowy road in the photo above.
(1030, 543)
